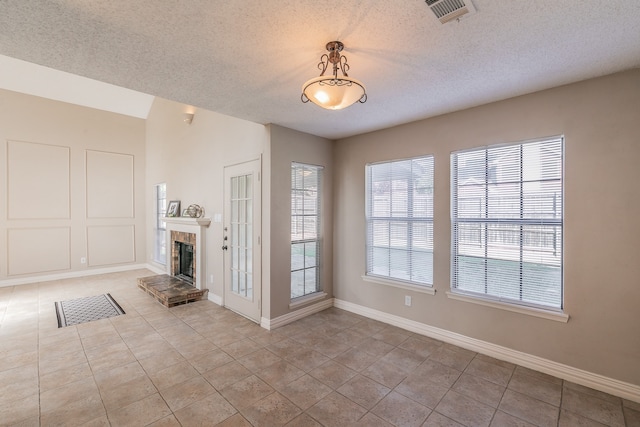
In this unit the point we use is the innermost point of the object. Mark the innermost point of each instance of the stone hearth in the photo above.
(170, 291)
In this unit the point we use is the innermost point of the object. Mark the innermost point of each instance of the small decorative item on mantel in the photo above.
(173, 210)
(193, 211)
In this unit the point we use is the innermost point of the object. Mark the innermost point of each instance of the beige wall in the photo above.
(190, 159)
(70, 176)
(601, 122)
(291, 146)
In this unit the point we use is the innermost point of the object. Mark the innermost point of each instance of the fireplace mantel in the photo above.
(203, 222)
(198, 227)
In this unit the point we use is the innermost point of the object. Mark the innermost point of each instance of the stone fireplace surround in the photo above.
(191, 231)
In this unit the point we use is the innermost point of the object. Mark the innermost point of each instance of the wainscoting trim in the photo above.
(569, 373)
(77, 273)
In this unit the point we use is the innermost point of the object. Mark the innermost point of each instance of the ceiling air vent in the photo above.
(449, 10)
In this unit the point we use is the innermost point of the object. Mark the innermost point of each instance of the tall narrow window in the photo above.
(506, 219)
(160, 229)
(305, 229)
(399, 215)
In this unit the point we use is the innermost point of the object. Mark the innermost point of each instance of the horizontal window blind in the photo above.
(399, 215)
(506, 218)
(305, 229)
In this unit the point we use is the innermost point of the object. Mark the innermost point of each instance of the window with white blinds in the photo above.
(399, 215)
(305, 229)
(506, 219)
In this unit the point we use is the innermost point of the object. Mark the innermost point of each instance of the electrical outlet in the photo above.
(83, 260)
(211, 279)
(407, 300)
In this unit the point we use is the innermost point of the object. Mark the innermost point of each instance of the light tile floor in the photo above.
(200, 364)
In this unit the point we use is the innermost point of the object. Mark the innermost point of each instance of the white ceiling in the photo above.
(249, 59)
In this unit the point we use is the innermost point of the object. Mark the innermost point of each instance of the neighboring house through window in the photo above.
(507, 222)
(305, 229)
(399, 216)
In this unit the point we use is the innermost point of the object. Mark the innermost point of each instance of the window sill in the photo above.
(307, 299)
(397, 284)
(530, 311)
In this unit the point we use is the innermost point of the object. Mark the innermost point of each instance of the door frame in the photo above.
(254, 166)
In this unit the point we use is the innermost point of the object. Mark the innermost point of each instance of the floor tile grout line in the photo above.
(191, 321)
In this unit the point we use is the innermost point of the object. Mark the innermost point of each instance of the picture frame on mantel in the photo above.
(173, 209)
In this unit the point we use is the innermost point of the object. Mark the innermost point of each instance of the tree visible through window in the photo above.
(305, 229)
(160, 229)
(399, 215)
(506, 219)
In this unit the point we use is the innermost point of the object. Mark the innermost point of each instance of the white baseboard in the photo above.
(217, 299)
(73, 274)
(559, 370)
(155, 269)
(296, 315)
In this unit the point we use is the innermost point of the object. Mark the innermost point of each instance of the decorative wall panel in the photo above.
(110, 244)
(37, 181)
(110, 185)
(38, 250)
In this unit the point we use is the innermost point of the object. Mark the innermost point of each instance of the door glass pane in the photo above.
(234, 281)
(248, 186)
(241, 187)
(234, 258)
(242, 214)
(249, 260)
(242, 289)
(234, 187)
(234, 211)
(242, 238)
(249, 285)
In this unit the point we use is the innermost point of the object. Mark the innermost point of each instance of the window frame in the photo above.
(316, 241)
(409, 219)
(557, 221)
(160, 226)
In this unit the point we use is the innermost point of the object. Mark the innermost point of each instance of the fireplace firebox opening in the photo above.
(183, 256)
(184, 269)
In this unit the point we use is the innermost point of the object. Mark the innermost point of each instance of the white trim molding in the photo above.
(559, 370)
(429, 290)
(296, 315)
(73, 274)
(156, 269)
(529, 311)
(216, 299)
(307, 299)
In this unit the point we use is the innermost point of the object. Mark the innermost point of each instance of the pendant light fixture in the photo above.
(334, 92)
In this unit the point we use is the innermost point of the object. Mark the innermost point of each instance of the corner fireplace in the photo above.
(186, 246)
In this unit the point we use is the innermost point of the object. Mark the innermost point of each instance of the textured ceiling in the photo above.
(249, 59)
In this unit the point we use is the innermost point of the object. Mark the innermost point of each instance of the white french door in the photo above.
(242, 255)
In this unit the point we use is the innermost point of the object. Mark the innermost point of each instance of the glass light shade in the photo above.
(333, 93)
